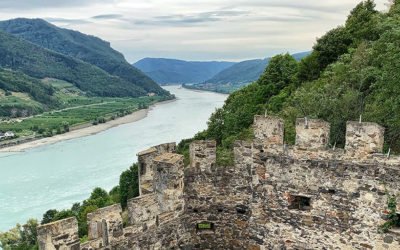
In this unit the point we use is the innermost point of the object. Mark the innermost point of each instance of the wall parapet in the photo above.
(301, 196)
(62, 234)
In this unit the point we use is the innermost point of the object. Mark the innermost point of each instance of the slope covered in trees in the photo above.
(238, 75)
(246, 71)
(87, 48)
(38, 62)
(352, 71)
(166, 71)
(33, 95)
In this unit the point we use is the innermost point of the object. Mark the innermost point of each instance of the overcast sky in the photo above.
(193, 29)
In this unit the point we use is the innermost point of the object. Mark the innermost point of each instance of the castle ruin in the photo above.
(306, 196)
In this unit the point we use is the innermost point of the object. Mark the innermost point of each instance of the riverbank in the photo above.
(82, 130)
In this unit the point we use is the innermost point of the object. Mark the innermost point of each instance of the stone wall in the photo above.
(62, 234)
(305, 196)
(145, 160)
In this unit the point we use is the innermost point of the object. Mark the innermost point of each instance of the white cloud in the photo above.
(194, 30)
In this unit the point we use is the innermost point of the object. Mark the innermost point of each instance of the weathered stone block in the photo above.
(312, 134)
(62, 234)
(105, 223)
(363, 139)
(203, 155)
(268, 129)
(145, 161)
(168, 181)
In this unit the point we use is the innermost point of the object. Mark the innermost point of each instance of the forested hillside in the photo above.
(87, 48)
(352, 71)
(38, 62)
(246, 71)
(167, 71)
(242, 72)
(30, 95)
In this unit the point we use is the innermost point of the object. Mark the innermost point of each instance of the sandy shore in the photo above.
(82, 130)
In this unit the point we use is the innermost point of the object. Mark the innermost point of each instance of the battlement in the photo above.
(62, 234)
(203, 155)
(145, 160)
(363, 139)
(276, 196)
(312, 134)
(105, 223)
(268, 129)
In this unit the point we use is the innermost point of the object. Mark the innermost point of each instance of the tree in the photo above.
(48, 216)
(129, 184)
(280, 72)
(63, 214)
(115, 194)
(361, 22)
(309, 68)
(332, 45)
(20, 237)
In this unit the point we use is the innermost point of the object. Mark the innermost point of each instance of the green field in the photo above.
(75, 109)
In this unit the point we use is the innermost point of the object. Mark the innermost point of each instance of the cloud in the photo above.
(39, 4)
(108, 16)
(191, 30)
(66, 21)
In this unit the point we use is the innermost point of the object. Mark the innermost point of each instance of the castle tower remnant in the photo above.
(203, 155)
(105, 225)
(363, 139)
(145, 160)
(168, 182)
(312, 134)
(62, 234)
(268, 129)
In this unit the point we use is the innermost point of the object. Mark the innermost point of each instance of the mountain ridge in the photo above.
(84, 47)
(35, 61)
(246, 71)
(166, 70)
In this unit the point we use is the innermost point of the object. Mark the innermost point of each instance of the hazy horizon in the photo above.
(219, 30)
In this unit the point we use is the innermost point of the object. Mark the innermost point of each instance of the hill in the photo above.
(242, 72)
(21, 95)
(38, 62)
(352, 71)
(167, 71)
(246, 71)
(87, 48)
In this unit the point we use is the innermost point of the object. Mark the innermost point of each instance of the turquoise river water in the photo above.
(57, 175)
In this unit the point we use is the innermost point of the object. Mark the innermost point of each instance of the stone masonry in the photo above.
(276, 196)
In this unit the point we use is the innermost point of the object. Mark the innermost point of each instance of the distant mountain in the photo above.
(165, 71)
(35, 61)
(246, 71)
(242, 72)
(87, 48)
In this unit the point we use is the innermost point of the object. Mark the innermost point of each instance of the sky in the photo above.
(198, 30)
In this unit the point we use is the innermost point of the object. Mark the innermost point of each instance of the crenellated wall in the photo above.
(62, 234)
(145, 160)
(276, 196)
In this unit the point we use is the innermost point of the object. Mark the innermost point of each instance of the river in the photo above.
(57, 175)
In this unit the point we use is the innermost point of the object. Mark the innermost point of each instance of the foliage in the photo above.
(86, 110)
(63, 214)
(393, 218)
(362, 21)
(49, 216)
(129, 184)
(350, 72)
(20, 237)
(33, 60)
(87, 48)
(237, 76)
